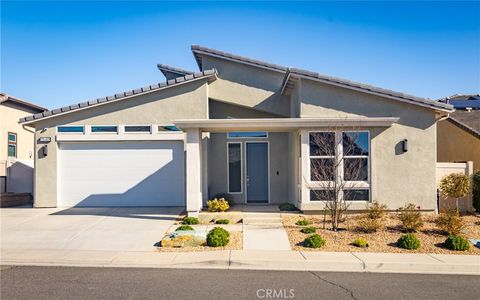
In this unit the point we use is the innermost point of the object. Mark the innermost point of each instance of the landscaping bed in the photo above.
(236, 243)
(384, 240)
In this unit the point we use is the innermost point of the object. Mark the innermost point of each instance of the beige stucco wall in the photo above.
(455, 144)
(396, 177)
(161, 107)
(247, 86)
(9, 116)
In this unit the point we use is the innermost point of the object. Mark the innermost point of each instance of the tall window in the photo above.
(12, 144)
(234, 167)
(339, 159)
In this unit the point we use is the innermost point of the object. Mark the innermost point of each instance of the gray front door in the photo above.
(257, 172)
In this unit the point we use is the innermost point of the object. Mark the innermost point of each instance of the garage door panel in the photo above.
(121, 174)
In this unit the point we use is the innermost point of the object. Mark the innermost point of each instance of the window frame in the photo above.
(59, 132)
(104, 132)
(12, 143)
(241, 168)
(247, 137)
(355, 185)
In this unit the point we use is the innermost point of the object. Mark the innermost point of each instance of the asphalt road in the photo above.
(21, 282)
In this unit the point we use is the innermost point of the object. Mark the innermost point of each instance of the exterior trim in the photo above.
(110, 137)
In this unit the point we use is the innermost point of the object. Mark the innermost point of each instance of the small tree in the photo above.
(455, 185)
(335, 170)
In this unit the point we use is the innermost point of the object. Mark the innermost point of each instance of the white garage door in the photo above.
(121, 174)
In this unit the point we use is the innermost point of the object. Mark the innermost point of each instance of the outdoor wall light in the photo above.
(405, 145)
(45, 150)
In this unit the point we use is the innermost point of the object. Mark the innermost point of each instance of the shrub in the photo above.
(411, 218)
(218, 237)
(310, 229)
(303, 222)
(314, 241)
(287, 207)
(222, 221)
(450, 223)
(372, 219)
(476, 190)
(225, 196)
(184, 228)
(455, 185)
(218, 205)
(408, 241)
(361, 243)
(457, 243)
(190, 221)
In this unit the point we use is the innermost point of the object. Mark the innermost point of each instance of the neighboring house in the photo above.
(16, 145)
(458, 136)
(239, 126)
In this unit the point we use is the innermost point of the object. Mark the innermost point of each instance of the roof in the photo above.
(282, 124)
(292, 75)
(463, 101)
(467, 120)
(172, 72)
(198, 51)
(120, 96)
(4, 98)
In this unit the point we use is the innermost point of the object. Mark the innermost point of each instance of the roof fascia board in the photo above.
(236, 60)
(116, 100)
(432, 106)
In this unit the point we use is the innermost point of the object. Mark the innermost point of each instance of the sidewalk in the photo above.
(253, 260)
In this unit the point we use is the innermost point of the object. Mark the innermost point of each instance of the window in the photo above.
(108, 129)
(328, 166)
(140, 128)
(12, 144)
(168, 128)
(72, 129)
(234, 167)
(241, 134)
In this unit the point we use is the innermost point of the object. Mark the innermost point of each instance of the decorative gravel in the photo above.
(206, 217)
(236, 243)
(382, 241)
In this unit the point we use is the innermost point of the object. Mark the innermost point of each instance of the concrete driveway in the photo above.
(97, 229)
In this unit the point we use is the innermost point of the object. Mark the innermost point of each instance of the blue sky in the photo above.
(58, 53)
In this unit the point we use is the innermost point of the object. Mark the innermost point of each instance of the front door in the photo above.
(257, 172)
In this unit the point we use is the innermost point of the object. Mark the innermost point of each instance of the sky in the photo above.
(63, 52)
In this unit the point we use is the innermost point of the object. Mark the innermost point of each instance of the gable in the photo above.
(222, 110)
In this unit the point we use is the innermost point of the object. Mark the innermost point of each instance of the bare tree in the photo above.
(338, 163)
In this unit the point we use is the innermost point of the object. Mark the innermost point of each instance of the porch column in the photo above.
(193, 171)
(304, 167)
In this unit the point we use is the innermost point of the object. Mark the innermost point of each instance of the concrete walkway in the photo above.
(252, 260)
(263, 229)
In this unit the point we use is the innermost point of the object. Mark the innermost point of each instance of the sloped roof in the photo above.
(293, 74)
(7, 98)
(467, 120)
(172, 72)
(120, 96)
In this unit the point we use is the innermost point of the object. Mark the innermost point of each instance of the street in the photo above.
(25, 282)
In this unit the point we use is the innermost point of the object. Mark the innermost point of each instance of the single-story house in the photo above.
(239, 126)
(458, 136)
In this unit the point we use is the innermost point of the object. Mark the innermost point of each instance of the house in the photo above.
(16, 145)
(239, 126)
(458, 136)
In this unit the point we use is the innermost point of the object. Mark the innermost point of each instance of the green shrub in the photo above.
(361, 243)
(184, 228)
(457, 243)
(310, 229)
(408, 241)
(450, 222)
(455, 185)
(411, 218)
(218, 205)
(225, 196)
(303, 222)
(190, 221)
(222, 221)
(287, 207)
(218, 237)
(476, 190)
(314, 241)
